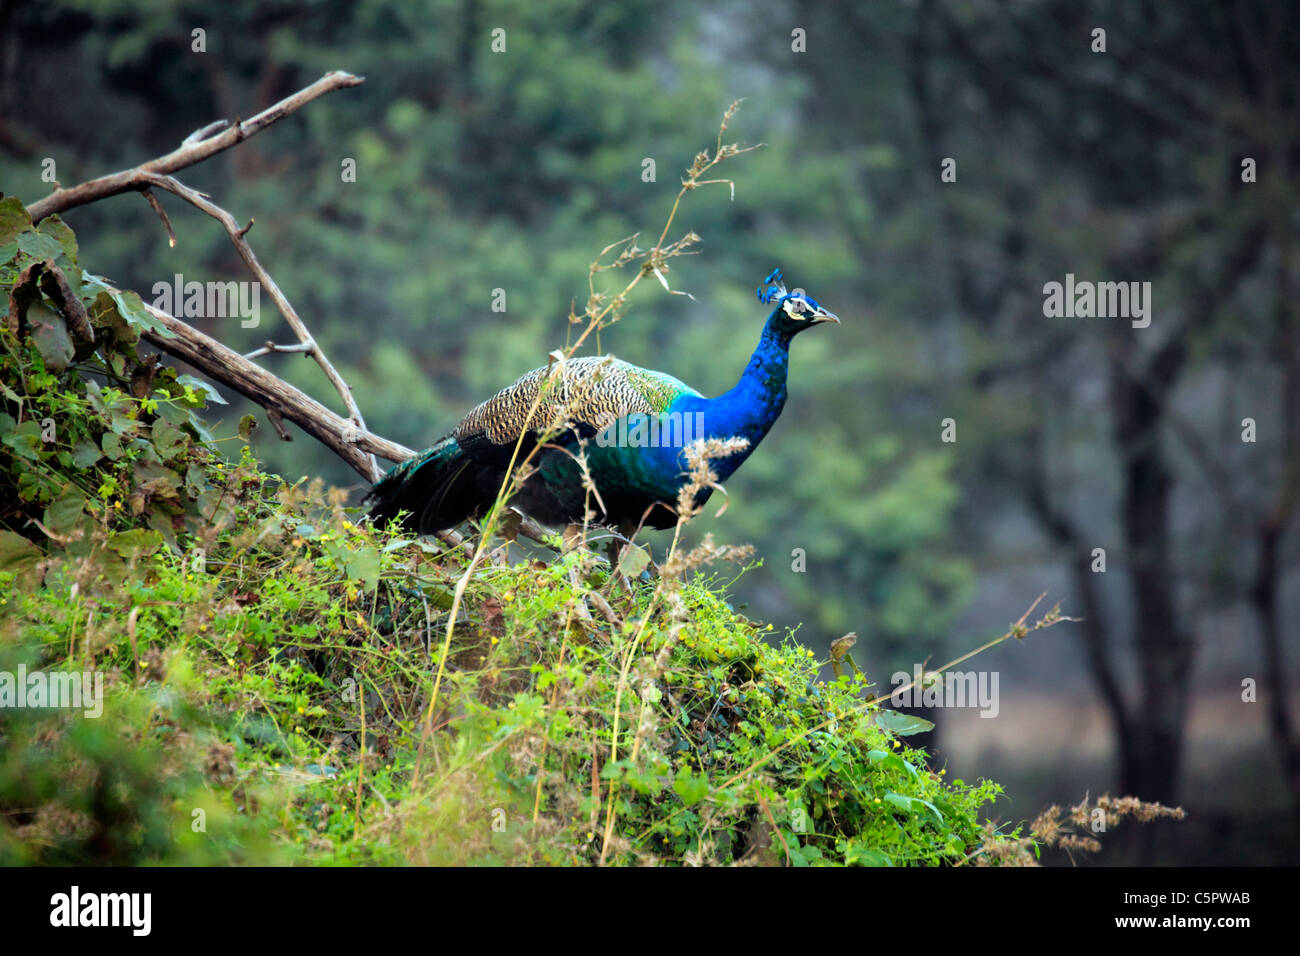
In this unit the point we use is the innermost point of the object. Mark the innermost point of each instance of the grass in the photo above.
(284, 683)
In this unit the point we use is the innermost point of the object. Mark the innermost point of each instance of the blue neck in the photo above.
(749, 409)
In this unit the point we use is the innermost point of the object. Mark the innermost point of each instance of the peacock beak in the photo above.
(821, 315)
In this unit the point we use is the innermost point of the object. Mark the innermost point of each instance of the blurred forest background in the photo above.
(479, 170)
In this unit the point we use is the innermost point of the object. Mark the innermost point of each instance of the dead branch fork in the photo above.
(348, 437)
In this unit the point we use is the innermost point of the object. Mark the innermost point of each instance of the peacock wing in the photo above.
(576, 398)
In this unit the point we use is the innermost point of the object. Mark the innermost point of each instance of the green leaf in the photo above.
(24, 439)
(168, 439)
(19, 557)
(858, 855)
(892, 761)
(690, 788)
(633, 561)
(112, 445)
(181, 416)
(39, 246)
(196, 479)
(50, 335)
(201, 386)
(92, 285)
(135, 544)
(363, 564)
(913, 805)
(902, 725)
(60, 232)
(131, 307)
(13, 219)
(64, 515)
(114, 334)
(86, 453)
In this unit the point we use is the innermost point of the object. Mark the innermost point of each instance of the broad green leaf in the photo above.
(58, 230)
(86, 453)
(13, 219)
(135, 544)
(363, 563)
(167, 438)
(64, 514)
(131, 307)
(858, 855)
(903, 725)
(690, 788)
(110, 328)
(112, 445)
(914, 805)
(891, 761)
(201, 386)
(19, 557)
(24, 439)
(39, 246)
(633, 561)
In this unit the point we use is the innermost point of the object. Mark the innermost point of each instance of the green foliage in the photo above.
(478, 170)
(268, 668)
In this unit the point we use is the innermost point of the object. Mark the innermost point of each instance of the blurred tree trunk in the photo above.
(1265, 592)
(1152, 760)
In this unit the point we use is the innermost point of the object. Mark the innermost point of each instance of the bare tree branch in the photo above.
(227, 367)
(195, 149)
(307, 344)
(346, 437)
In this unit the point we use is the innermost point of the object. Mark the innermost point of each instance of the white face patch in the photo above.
(793, 308)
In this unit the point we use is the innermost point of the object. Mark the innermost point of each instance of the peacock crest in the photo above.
(795, 303)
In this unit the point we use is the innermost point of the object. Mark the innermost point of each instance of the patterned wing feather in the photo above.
(591, 392)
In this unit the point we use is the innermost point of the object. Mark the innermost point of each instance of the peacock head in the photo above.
(793, 311)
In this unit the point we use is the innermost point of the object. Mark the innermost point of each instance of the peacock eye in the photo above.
(793, 307)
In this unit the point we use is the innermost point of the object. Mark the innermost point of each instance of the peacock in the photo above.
(632, 424)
